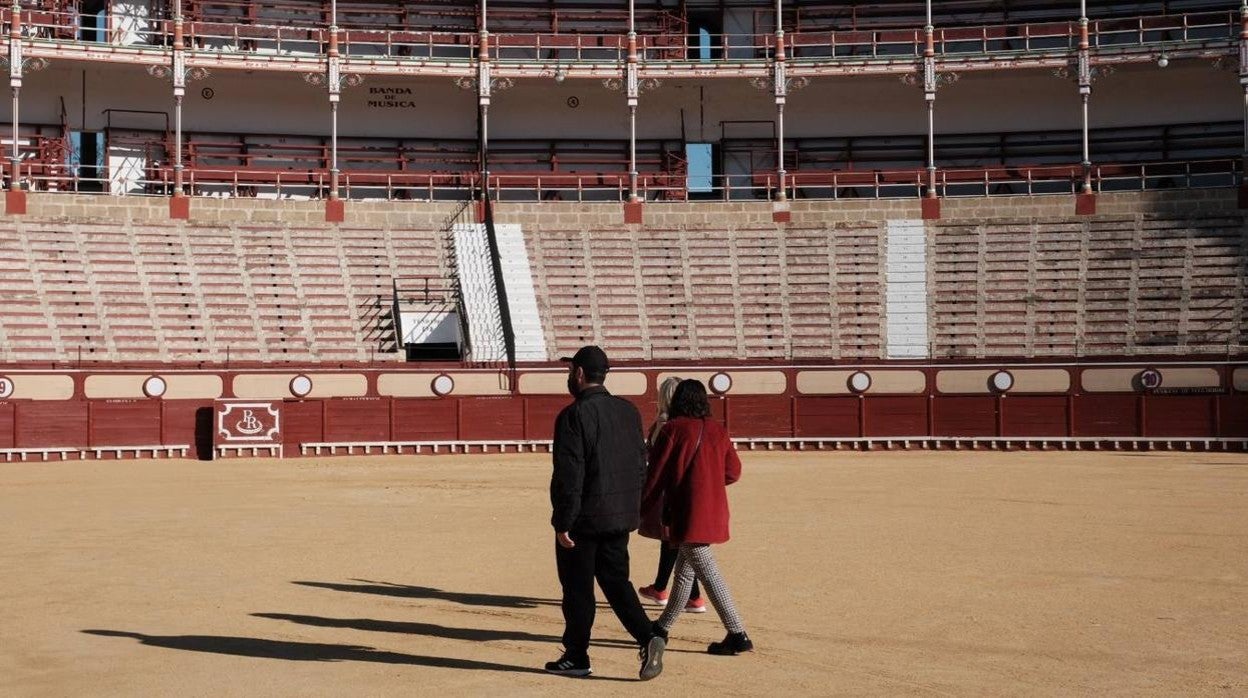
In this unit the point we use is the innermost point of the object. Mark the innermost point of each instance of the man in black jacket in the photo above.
(600, 464)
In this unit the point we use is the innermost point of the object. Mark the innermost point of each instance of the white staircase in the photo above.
(521, 297)
(480, 297)
(906, 287)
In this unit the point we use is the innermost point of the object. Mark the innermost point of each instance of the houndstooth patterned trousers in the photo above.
(696, 559)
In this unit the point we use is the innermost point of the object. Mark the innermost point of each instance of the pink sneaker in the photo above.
(695, 606)
(656, 596)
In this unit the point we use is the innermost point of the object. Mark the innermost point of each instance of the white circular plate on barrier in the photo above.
(1002, 381)
(300, 385)
(442, 384)
(859, 381)
(154, 386)
(720, 383)
(6, 387)
(1150, 379)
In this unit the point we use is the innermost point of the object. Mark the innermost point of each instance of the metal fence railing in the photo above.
(137, 30)
(995, 180)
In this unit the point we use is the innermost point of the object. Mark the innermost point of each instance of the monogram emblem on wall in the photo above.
(248, 422)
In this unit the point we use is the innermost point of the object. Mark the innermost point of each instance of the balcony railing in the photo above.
(814, 46)
(1012, 180)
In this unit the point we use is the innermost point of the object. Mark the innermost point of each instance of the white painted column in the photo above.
(905, 326)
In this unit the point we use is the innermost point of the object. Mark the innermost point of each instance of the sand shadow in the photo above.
(306, 651)
(418, 592)
(432, 630)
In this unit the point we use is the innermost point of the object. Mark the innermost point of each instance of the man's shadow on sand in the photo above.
(305, 651)
(432, 630)
(406, 591)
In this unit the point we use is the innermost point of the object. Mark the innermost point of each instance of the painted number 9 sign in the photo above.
(6, 387)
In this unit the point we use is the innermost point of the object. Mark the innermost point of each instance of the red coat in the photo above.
(697, 493)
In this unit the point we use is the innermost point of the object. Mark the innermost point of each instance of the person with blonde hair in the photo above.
(657, 593)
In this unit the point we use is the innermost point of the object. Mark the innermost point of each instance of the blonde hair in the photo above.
(666, 389)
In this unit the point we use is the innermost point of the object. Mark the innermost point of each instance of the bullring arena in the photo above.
(917, 573)
(284, 286)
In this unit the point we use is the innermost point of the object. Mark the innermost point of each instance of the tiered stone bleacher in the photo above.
(712, 293)
(189, 292)
(858, 260)
(1113, 285)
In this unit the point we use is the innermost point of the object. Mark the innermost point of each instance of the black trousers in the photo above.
(605, 558)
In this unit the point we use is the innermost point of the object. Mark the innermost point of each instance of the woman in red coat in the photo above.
(691, 464)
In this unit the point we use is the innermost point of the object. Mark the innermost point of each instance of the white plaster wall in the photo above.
(1187, 91)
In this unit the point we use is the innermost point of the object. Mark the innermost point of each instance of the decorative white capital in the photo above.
(483, 83)
(15, 62)
(335, 75)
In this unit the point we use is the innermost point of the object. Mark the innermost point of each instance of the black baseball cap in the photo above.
(591, 358)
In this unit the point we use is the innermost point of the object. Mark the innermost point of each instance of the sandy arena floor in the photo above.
(858, 574)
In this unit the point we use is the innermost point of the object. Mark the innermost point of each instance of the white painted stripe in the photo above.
(526, 321)
(905, 302)
(480, 298)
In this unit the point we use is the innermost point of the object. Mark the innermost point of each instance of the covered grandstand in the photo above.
(867, 224)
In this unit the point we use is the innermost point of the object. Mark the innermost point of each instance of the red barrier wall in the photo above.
(1218, 410)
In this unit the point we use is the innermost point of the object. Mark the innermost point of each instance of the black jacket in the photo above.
(600, 465)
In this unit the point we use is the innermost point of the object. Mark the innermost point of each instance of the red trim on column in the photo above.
(633, 212)
(15, 202)
(1085, 204)
(931, 208)
(335, 211)
(785, 216)
(180, 207)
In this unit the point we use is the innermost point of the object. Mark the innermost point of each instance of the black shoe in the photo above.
(734, 643)
(652, 658)
(656, 629)
(567, 666)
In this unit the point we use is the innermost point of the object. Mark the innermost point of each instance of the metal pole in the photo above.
(333, 149)
(931, 147)
(929, 95)
(1085, 92)
(631, 96)
(781, 92)
(179, 90)
(483, 97)
(1243, 81)
(334, 78)
(632, 153)
(15, 82)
